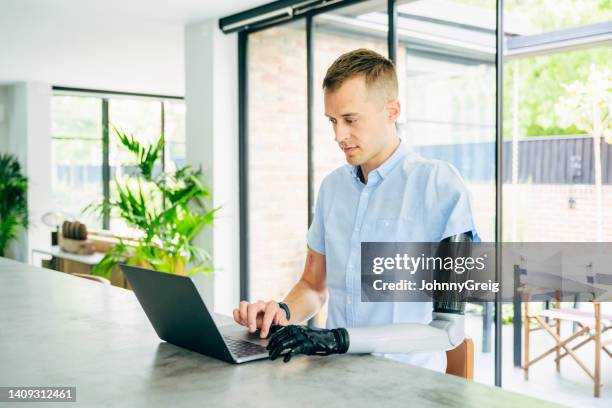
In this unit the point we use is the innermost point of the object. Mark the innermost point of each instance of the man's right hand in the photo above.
(260, 315)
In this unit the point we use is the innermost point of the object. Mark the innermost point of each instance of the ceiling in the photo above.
(165, 11)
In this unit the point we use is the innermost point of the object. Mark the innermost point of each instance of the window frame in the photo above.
(392, 46)
(104, 97)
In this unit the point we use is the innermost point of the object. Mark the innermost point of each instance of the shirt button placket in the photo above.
(354, 249)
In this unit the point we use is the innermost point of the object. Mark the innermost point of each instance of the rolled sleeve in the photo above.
(456, 203)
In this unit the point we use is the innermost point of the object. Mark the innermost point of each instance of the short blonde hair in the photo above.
(378, 71)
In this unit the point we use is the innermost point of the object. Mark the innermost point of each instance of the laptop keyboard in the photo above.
(242, 348)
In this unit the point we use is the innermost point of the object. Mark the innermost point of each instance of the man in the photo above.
(385, 193)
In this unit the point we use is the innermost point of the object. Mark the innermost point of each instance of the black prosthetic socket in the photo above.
(454, 247)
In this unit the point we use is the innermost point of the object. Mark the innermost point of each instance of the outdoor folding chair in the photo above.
(591, 324)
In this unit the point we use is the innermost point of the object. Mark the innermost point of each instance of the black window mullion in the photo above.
(243, 162)
(310, 115)
(392, 41)
(106, 93)
(499, 146)
(310, 123)
(105, 165)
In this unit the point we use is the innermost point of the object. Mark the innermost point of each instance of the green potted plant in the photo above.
(168, 209)
(13, 200)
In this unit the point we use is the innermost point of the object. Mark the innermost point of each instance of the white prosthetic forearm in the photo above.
(445, 332)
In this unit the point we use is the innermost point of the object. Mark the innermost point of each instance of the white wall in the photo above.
(101, 53)
(25, 132)
(212, 142)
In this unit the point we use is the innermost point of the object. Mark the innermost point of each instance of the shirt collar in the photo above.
(387, 165)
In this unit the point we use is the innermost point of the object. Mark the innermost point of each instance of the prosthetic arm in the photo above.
(445, 332)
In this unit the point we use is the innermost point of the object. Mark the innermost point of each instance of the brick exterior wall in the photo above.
(277, 160)
(542, 212)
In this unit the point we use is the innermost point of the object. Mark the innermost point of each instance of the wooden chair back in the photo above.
(460, 360)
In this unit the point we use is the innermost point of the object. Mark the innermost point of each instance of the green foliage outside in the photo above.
(13, 200)
(542, 79)
(167, 209)
(542, 84)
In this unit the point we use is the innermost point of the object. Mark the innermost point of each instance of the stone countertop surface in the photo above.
(60, 330)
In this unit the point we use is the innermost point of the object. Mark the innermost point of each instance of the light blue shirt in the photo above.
(406, 199)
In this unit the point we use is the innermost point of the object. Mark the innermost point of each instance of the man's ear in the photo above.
(393, 110)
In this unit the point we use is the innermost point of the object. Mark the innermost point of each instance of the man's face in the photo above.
(362, 120)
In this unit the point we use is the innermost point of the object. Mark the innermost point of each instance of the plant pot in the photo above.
(77, 246)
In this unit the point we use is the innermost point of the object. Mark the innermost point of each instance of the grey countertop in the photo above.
(59, 330)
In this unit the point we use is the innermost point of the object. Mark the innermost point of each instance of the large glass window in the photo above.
(174, 132)
(557, 174)
(530, 17)
(78, 121)
(76, 155)
(446, 62)
(552, 158)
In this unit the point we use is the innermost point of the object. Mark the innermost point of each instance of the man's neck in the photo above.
(375, 162)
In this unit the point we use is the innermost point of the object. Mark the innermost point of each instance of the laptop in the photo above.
(179, 316)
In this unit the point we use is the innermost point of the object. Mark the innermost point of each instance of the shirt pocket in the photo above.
(392, 229)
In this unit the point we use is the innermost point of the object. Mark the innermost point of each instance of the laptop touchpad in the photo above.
(241, 333)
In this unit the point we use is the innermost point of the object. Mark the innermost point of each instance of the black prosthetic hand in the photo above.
(292, 340)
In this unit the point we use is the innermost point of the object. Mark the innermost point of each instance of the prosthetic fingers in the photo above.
(292, 340)
(444, 332)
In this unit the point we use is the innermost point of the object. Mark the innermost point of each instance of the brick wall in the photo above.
(543, 212)
(277, 159)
